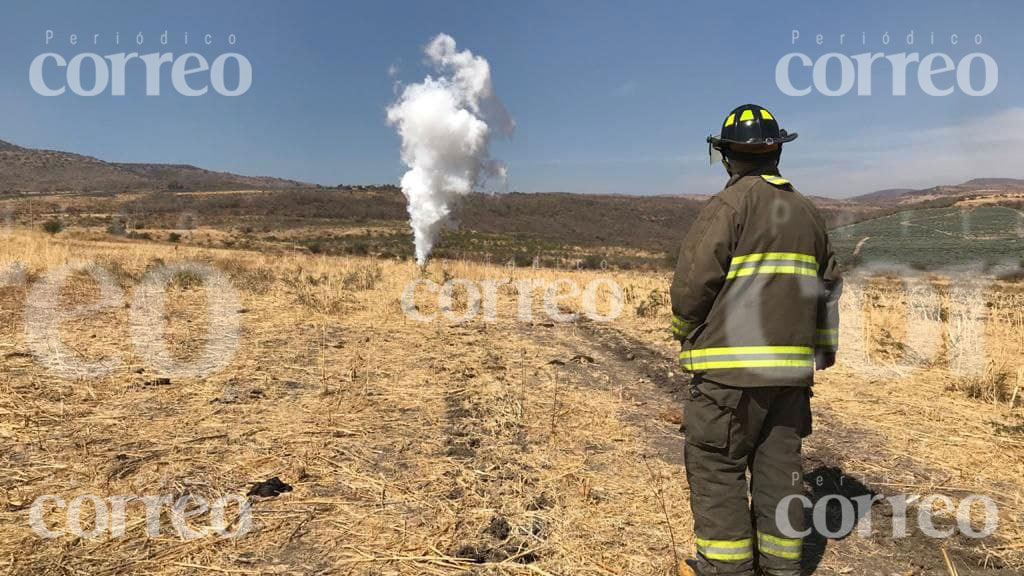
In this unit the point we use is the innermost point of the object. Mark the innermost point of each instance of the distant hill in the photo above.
(995, 187)
(882, 195)
(995, 183)
(30, 170)
(495, 224)
(647, 222)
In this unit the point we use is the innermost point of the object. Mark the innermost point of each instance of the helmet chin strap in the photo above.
(725, 162)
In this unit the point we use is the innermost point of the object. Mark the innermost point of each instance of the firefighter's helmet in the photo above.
(750, 125)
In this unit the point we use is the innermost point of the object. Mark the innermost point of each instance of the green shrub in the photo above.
(359, 248)
(593, 262)
(52, 226)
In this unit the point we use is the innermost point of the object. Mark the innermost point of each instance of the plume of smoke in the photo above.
(446, 124)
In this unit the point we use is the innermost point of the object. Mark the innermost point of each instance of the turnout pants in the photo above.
(730, 431)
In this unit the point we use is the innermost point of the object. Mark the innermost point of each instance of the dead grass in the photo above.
(405, 441)
(480, 447)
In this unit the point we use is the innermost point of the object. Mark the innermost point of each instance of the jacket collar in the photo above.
(740, 168)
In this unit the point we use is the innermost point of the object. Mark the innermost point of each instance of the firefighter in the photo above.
(754, 304)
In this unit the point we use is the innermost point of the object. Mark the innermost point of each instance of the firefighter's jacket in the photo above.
(756, 288)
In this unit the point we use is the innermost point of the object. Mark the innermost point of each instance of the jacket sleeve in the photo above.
(828, 303)
(702, 266)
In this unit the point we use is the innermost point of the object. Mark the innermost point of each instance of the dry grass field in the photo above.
(512, 446)
(556, 228)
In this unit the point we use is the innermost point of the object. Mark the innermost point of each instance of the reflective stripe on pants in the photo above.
(787, 548)
(827, 338)
(728, 431)
(726, 550)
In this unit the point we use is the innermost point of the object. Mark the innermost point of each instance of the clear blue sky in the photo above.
(607, 96)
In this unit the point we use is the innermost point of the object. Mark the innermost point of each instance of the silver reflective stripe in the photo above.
(681, 327)
(744, 357)
(788, 548)
(726, 550)
(828, 337)
(729, 357)
(773, 263)
(793, 268)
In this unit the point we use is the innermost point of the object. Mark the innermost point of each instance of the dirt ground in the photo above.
(512, 446)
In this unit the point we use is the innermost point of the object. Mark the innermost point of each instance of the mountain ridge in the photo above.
(42, 171)
(972, 187)
(38, 170)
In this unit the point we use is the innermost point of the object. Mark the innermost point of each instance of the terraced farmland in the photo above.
(938, 237)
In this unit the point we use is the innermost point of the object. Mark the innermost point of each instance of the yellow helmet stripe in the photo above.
(730, 120)
(747, 115)
(766, 114)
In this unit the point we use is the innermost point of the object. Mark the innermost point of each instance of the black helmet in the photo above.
(752, 125)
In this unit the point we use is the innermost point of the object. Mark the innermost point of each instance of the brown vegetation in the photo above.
(505, 447)
(29, 170)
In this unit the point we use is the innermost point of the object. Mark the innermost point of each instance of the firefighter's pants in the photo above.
(728, 432)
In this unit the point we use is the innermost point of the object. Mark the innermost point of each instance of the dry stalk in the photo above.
(664, 509)
(949, 563)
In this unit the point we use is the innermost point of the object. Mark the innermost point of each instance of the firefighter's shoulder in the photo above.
(777, 181)
(732, 195)
(736, 192)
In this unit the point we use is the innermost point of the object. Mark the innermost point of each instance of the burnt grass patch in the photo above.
(626, 359)
(880, 552)
(479, 437)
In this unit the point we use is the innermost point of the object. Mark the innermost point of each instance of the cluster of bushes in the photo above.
(52, 226)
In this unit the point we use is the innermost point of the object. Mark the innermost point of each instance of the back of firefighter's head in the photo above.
(750, 136)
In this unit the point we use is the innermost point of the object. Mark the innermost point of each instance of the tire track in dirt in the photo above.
(650, 387)
(479, 437)
(652, 393)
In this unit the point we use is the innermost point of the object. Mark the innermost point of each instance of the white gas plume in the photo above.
(446, 124)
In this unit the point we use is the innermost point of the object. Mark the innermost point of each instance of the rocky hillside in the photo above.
(994, 188)
(30, 170)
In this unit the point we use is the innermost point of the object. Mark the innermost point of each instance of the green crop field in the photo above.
(936, 238)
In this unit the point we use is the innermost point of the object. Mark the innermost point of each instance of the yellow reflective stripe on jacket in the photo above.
(775, 256)
(788, 548)
(703, 352)
(828, 337)
(725, 364)
(773, 263)
(800, 271)
(701, 359)
(726, 550)
(776, 180)
(681, 327)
